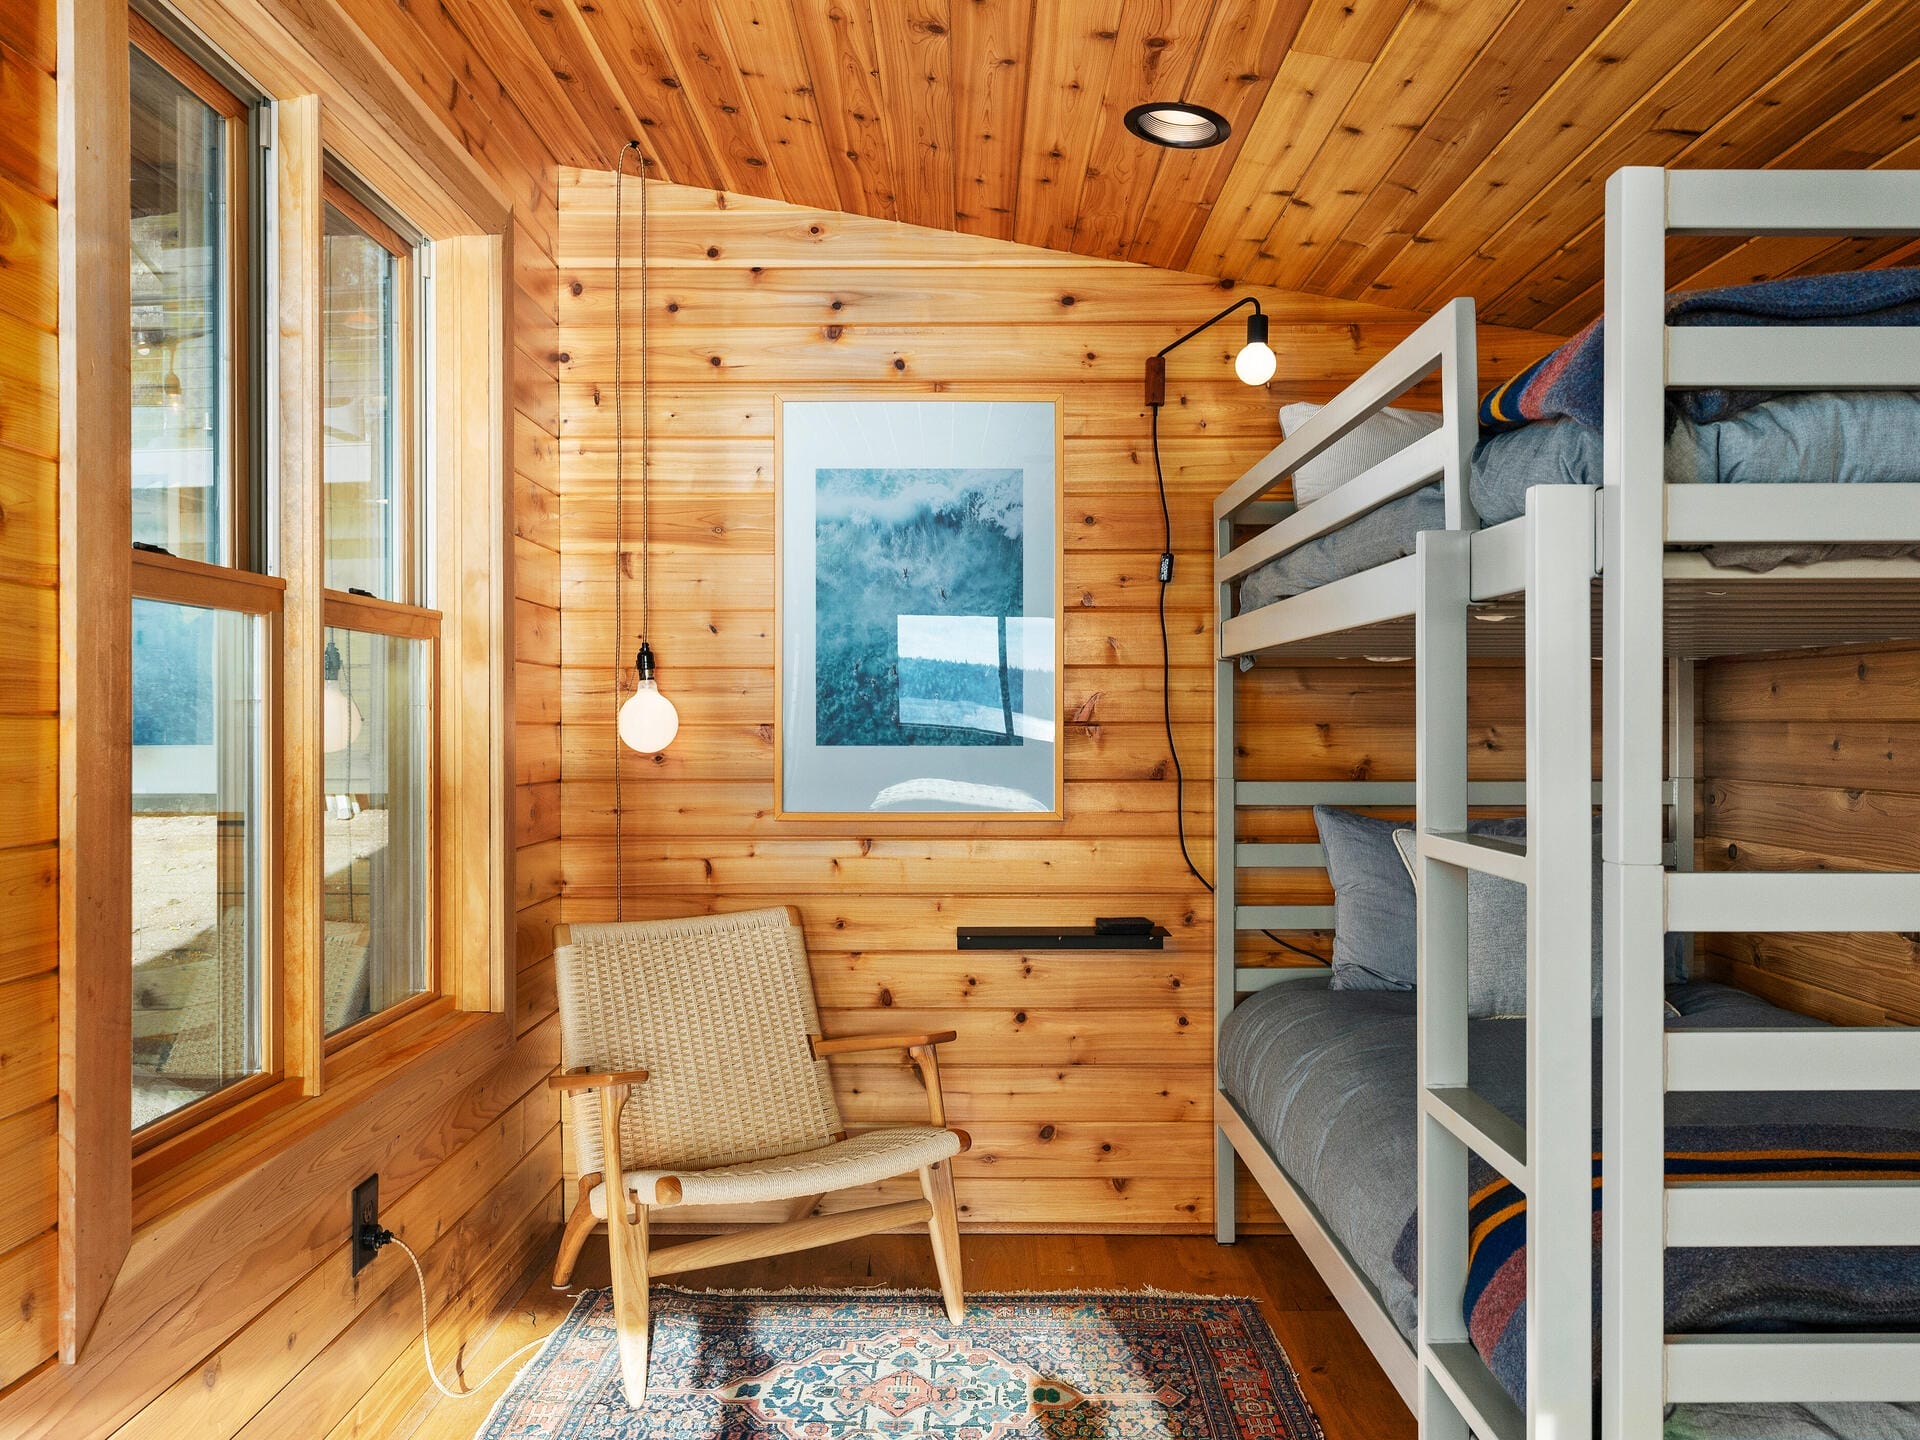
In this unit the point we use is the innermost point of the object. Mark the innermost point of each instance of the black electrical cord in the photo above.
(1166, 689)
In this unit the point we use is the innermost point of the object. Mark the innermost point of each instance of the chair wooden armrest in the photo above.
(582, 1078)
(859, 1044)
(919, 1047)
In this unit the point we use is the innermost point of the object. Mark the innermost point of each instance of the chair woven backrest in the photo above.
(718, 1009)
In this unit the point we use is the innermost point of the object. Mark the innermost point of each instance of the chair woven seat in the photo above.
(862, 1160)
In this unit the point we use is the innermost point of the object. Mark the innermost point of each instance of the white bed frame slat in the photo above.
(1758, 1369)
(1816, 1212)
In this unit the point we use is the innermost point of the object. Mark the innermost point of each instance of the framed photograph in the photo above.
(918, 597)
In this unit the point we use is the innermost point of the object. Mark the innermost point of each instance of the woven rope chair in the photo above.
(696, 1075)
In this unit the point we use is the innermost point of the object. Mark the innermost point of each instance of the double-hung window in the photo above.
(382, 638)
(206, 617)
(222, 897)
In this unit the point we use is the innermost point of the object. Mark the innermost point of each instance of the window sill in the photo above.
(240, 1140)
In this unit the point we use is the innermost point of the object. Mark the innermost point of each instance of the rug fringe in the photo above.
(914, 1293)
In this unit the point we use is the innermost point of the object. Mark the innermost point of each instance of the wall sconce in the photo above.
(1254, 364)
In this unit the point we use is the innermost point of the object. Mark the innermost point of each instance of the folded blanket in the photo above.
(1752, 1289)
(1568, 384)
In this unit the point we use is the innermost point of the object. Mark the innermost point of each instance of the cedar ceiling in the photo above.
(1403, 151)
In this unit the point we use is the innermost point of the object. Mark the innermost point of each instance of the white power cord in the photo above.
(426, 1343)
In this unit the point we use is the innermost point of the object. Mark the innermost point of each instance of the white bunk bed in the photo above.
(1585, 563)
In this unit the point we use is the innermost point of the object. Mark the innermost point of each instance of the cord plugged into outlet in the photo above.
(370, 1237)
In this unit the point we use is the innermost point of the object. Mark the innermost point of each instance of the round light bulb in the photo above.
(340, 718)
(648, 721)
(1255, 363)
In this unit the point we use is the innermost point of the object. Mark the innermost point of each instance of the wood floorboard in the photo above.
(1346, 1388)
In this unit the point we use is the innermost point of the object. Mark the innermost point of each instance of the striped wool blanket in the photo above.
(1754, 1289)
(1568, 383)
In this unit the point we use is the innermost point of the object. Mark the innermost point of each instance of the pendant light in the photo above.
(647, 722)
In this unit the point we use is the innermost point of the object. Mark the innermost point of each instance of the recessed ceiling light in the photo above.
(1178, 125)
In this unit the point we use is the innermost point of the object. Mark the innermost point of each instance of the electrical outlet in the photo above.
(366, 1215)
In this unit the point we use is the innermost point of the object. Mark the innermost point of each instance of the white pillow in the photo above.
(1359, 450)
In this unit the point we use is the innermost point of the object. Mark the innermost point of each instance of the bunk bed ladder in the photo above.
(1643, 1368)
(1549, 1160)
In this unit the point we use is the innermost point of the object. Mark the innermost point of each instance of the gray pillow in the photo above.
(1373, 902)
(1375, 945)
(1497, 927)
(1386, 432)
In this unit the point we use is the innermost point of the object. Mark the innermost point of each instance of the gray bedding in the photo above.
(1326, 1079)
(1824, 437)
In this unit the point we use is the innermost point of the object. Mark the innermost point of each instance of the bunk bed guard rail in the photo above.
(1445, 343)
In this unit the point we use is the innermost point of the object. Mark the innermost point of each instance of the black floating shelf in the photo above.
(1058, 937)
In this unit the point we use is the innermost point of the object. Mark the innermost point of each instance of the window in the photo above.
(205, 626)
(379, 656)
(221, 930)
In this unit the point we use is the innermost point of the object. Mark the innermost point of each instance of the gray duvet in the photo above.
(1824, 437)
(1326, 1079)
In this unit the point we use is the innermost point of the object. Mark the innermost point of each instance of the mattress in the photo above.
(1326, 1079)
(1824, 437)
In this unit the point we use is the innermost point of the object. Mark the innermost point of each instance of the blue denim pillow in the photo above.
(1373, 902)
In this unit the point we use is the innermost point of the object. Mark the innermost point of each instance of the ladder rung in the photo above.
(1483, 1128)
(1482, 1402)
(1283, 917)
(1838, 1058)
(1486, 853)
(1278, 857)
(1782, 901)
(1759, 1369)
(1793, 1212)
(1249, 978)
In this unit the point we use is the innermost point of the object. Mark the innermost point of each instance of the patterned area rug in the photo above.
(838, 1365)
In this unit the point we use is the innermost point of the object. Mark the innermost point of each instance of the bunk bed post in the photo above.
(1559, 1131)
(1226, 929)
(1633, 522)
(1440, 805)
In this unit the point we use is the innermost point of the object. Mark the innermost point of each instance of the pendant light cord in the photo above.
(620, 488)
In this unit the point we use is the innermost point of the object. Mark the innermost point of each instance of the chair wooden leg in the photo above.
(944, 1230)
(627, 1250)
(579, 1226)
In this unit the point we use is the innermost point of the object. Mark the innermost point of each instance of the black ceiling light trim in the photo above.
(1178, 124)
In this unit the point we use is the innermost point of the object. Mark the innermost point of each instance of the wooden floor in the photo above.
(1345, 1386)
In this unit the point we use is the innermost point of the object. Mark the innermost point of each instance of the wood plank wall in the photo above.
(1812, 762)
(237, 1318)
(1084, 1079)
